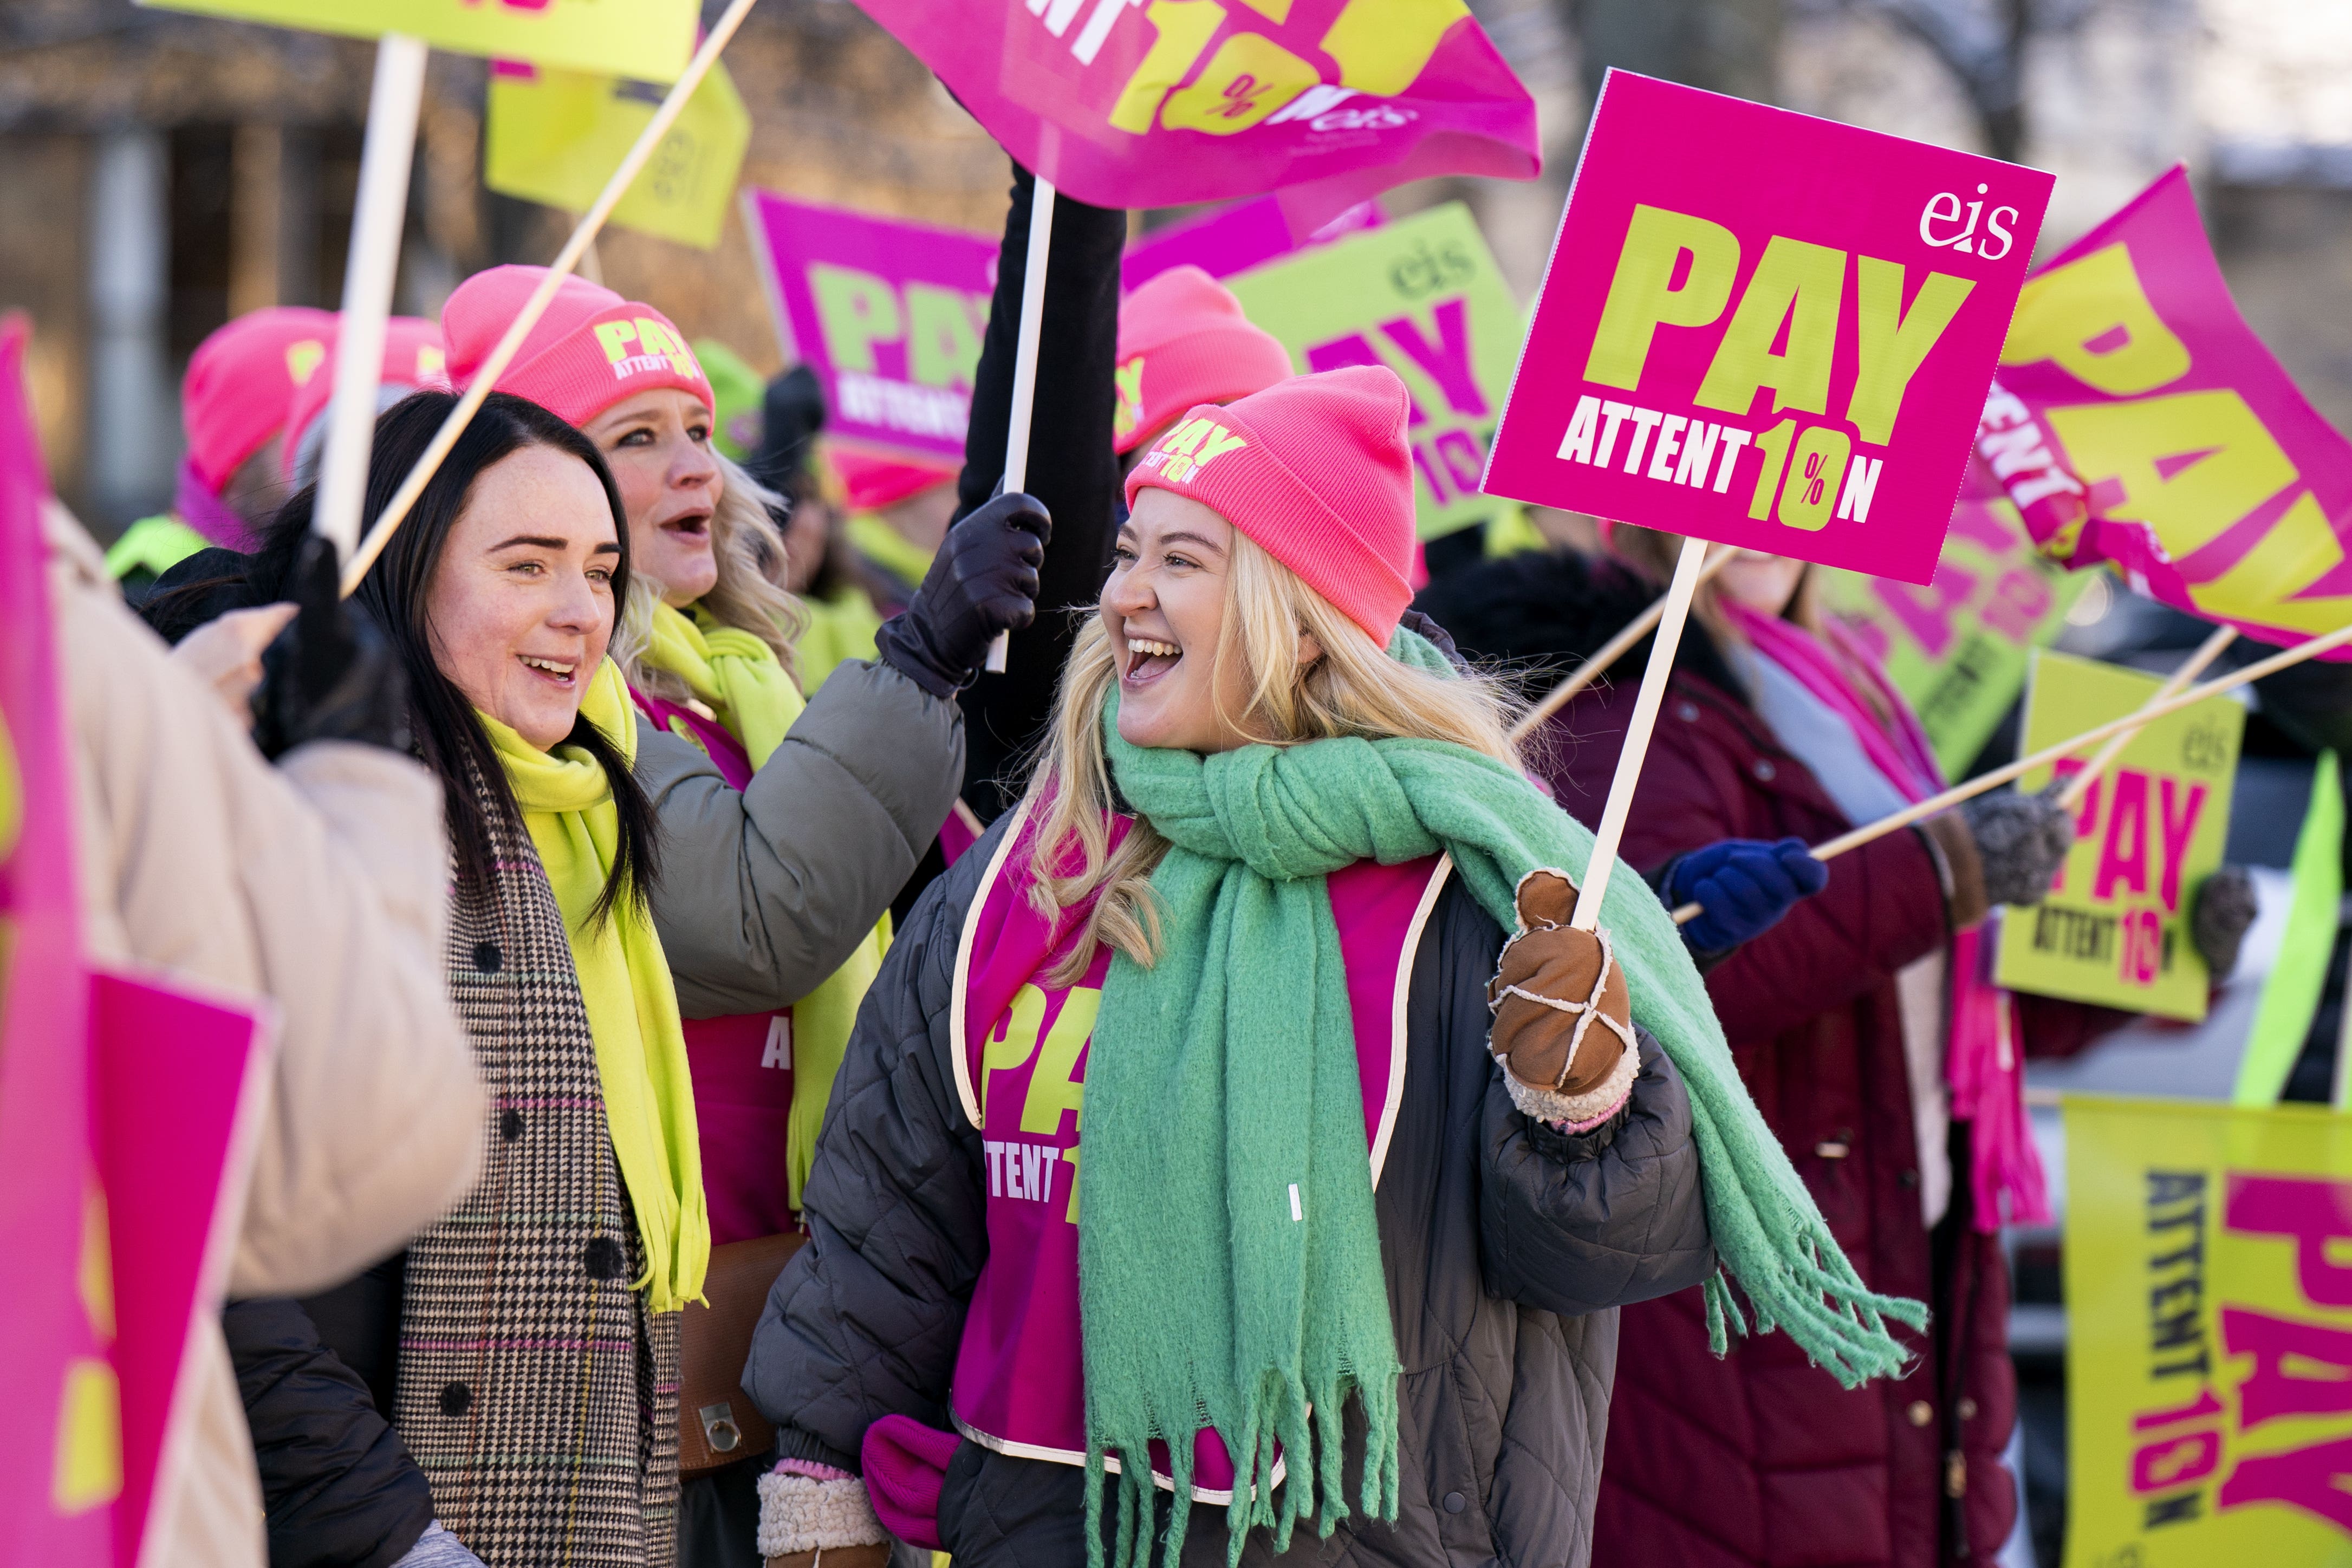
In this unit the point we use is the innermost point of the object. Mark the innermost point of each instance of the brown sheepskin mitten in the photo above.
(1563, 1025)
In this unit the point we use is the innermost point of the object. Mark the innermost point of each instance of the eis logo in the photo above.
(657, 349)
(1190, 447)
(1943, 210)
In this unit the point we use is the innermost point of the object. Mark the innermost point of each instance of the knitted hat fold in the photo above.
(239, 384)
(1183, 340)
(591, 349)
(1315, 471)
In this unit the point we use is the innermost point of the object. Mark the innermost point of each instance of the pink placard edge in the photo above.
(172, 1453)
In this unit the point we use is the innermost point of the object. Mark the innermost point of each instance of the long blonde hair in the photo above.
(750, 594)
(1354, 689)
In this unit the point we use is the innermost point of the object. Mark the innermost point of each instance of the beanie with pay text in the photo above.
(1315, 471)
(591, 349)
(1182, 339)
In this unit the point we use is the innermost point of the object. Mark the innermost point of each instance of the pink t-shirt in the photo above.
(1021, 1067)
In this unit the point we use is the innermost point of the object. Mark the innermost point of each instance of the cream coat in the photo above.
(321, 885)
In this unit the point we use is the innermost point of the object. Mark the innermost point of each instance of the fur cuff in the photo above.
(1600, 1101)
(799, 1514)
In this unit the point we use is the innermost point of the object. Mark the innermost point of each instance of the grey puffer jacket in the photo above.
(1508, 1248)
(766, 891)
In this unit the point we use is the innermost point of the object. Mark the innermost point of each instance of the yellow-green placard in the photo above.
(1957, 648)
(1425, 298)
(556, 136)
(650, 40)
(2115, 929)
(2209, 1335)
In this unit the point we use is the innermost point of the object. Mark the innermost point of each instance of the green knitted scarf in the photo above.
(1222, 1081)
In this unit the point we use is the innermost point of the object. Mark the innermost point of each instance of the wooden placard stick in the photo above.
(1609, 652)
(2194, 666)
(495, 364)
(1674, 613)
(2139, 717)
(1025, 367)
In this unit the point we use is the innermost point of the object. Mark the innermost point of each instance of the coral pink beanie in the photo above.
(873, 482)
(240, 381)
(413, 358)
(590, 350)
(1315, 471)
(1182, 339)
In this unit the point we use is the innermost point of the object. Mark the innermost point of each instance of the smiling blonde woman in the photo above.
(1373, 1143)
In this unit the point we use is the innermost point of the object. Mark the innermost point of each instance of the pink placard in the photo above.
(1123, 104)
(2138, 420)
(888, 313)
(174, 1080)
(1245, 235)
(1766, 329)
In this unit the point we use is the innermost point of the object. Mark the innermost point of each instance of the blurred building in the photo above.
(160, 173)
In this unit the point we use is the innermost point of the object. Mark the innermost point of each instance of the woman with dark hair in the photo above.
(526, 1347)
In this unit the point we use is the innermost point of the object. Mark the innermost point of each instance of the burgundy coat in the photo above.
(1761, 1458)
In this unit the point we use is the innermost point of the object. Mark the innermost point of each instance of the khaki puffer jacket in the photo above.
(320, 885)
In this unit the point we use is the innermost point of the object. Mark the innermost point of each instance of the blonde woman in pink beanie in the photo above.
(1340, 1265)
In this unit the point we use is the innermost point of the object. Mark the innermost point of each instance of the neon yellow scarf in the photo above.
(737, 676)
(885, 546)
(624, 985)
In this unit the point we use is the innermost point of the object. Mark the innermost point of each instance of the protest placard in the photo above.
(1424, 297)
(1183, 102)
(649, 40)
(2208, 1344)
(2138, 420)
(888, 313)
(1786, 349)
(555, 136)
(1245, 235)
(1958, 648)
(2115, 929)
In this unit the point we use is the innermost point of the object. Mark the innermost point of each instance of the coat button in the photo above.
(1687, 712)
(1968, 1409)
(1909, 1179)
(601, 1259)
(1764, 771)
(456, 1399)
(486, 957)
(1456, 1502)
(511, 1126)
(1919, 1412)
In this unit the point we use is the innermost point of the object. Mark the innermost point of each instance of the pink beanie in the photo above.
(873, 482)
(413, 358)
(1315, 471)
(590, 350)
(1182, 339)
(240, 381)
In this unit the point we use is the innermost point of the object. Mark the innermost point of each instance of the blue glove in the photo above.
(1746, 886)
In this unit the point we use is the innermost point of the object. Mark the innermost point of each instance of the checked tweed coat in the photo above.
(535, 1391)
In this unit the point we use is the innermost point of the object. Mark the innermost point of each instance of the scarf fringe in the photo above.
(1306, 1427)
(1775, 1254)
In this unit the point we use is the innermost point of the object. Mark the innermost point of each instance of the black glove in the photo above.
(331, 674)
(1437, 636)
(982, 581)
(2224, 907)
(2020, 840)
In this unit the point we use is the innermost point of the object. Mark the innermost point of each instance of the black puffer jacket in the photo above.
(1508, 1247)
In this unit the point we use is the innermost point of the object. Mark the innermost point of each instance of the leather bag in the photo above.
(717, 1422)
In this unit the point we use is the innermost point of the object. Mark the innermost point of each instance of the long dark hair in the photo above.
(395, 593)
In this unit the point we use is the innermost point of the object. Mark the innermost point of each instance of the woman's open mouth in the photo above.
(693, 525)
(1147, 659)
(555, 671)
